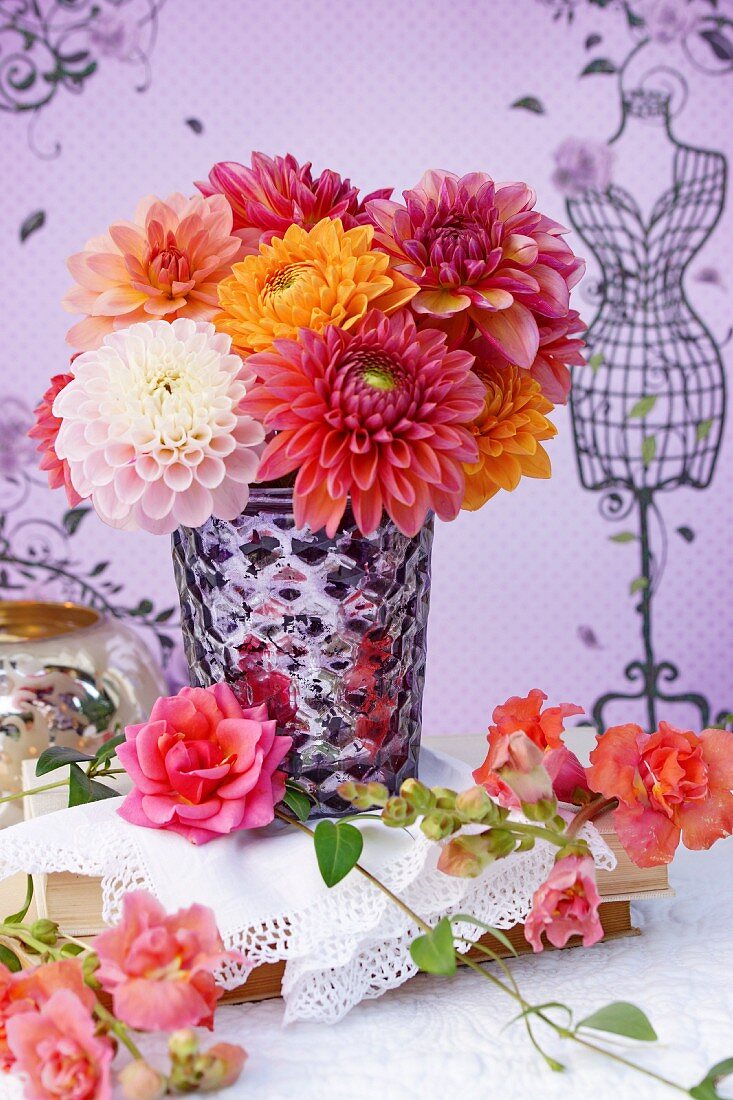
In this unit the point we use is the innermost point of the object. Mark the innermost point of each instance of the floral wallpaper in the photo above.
(617, 111)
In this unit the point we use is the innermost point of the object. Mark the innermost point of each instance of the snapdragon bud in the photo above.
(445, 798)
(465, 856)
(46, 931)
(438, 824)
(183, 1044)
(418, 795)
(474, 805)
(541, 810)
(398, 812)
(359, 794)
(139, 1081)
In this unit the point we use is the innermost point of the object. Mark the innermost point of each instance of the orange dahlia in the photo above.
(509, 432)
(327, 275)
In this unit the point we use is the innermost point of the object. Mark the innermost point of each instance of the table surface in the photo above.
(444, 1037)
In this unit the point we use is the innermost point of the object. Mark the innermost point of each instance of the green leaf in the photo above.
(648, 450)
(57, 757)
(10, 959)
(99, 568)
(530, 103)
(600, 65)
(495, 932)
(143, 608)
(17, 918)
(596, 361)
(621, 1018)
(73, 518)
(643, 406)
(83, 790)
(434, 952)
(686, 533)
(108, 749)
(338, 847)
(638, 585)
(296, 799)
(99, 791)
(592, 40)
(707, 1090)
(702, 429)
(623, 536)
(79, 787)
(32, 223)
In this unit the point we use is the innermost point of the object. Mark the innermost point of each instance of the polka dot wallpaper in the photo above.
(140, 98)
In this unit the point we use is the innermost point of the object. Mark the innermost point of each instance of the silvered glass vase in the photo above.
(330, 632)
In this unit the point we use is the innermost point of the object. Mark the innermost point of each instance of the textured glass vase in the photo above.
(331, 632)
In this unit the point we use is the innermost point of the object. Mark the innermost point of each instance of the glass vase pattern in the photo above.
(330, 632)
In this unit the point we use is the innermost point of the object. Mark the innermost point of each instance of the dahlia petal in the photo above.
(157, 499)
(89, 333)
(367, 508)
(512, 331)
(194, 507)
(229, 499)
(364, 468)
(441, 303)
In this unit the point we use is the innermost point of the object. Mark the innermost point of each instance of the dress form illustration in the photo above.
(648, 417)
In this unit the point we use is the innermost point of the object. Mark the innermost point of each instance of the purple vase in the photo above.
(330, 632)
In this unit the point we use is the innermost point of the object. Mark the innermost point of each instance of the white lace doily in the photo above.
(340, 946)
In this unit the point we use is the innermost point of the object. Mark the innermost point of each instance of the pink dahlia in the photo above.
(275, 193)
(45, 430)
(166, 263)
(153, 428)
(482, 256)
(377, 414)
(560, 348)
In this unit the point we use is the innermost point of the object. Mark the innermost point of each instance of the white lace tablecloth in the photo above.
(437, 1038)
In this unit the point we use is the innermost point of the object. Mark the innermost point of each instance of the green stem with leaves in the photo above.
(510, 988)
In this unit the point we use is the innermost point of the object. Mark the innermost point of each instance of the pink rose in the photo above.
(58, 1052)
(202, 766)
(29, 990)
(159, 968)
(566, 905)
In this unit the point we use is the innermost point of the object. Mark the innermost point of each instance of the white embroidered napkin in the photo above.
(340, 945)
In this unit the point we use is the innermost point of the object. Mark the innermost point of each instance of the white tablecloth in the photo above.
(443, 1038)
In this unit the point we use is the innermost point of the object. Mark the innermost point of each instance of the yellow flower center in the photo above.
(378, 374)
(285, 278)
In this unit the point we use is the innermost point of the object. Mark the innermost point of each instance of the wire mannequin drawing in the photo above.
(648, 415)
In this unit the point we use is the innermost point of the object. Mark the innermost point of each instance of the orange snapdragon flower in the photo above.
(671, 785)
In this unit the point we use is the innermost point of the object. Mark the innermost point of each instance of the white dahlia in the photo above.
(152, 429)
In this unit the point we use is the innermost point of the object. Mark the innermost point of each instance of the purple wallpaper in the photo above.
(556, 584)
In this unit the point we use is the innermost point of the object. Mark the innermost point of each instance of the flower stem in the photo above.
(586, 814)
(592, 809)
(117, 1028)
(365, 874)
(34, 790)
(552, 837)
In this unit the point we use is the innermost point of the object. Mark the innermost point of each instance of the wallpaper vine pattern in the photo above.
(618, 113)
(49, 47)
(45, 48)
(650, 415)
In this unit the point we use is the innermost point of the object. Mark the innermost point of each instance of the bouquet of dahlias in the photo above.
(400, 357)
